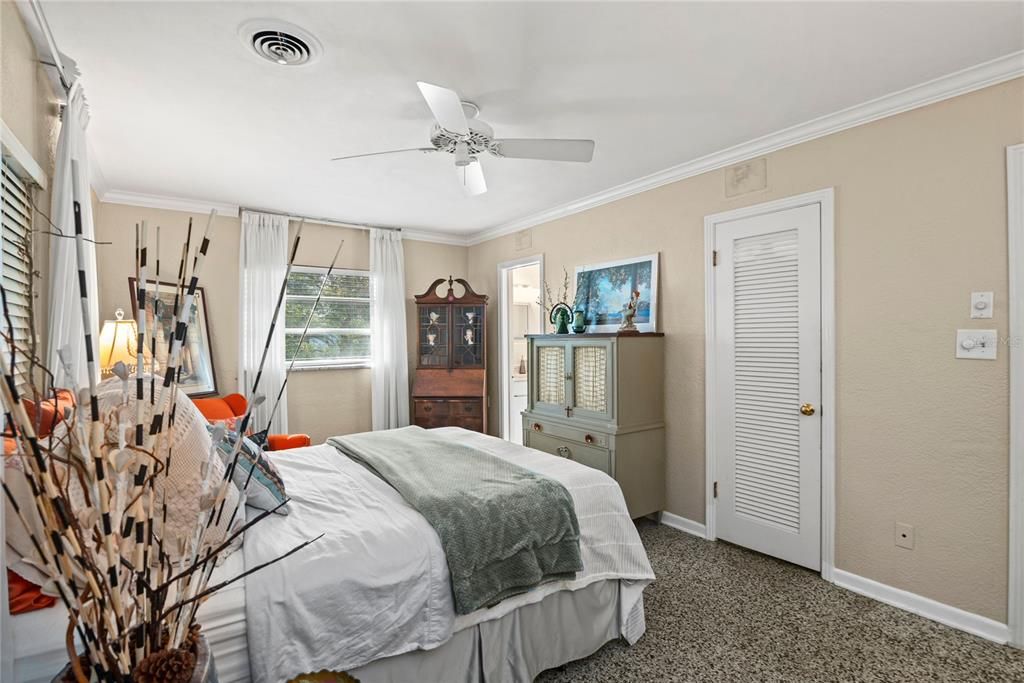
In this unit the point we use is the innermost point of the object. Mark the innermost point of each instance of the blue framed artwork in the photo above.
(603, 290)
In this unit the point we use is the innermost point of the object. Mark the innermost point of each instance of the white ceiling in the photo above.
(180, 107)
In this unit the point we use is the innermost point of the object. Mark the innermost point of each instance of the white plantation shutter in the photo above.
(767, 327)
(16, 241)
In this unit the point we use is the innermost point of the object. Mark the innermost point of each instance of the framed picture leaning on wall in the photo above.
(197, 374)
(603, 290)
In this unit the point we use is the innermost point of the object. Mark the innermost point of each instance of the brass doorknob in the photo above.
(807, 409)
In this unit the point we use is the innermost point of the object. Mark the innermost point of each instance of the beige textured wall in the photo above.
(920, 223)
(29, 108)
(321, 403)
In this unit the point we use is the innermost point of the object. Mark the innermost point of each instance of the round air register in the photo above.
(279, 42)
(280, 47)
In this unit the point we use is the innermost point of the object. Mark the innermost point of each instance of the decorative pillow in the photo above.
(260, 438)
(266, 487)
(230, 423)
(25, 596)
(190, 447)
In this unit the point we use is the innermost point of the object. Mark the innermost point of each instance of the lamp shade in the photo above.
(118, 343)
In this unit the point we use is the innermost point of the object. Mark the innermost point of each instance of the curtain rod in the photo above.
(315, 219)
(51, 44)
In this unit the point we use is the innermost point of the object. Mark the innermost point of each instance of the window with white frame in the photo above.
(339, 333)
(15, 257)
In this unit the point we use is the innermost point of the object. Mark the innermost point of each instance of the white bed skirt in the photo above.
(563, 627)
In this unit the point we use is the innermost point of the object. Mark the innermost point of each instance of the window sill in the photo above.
(330, 366)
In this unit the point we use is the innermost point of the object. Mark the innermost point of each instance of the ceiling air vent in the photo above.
(280, 42)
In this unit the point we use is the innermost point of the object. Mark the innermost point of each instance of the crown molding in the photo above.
(945, 87)
(156, 201)
(436, 237)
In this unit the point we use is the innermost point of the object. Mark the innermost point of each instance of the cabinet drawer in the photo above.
(473, 424)
(423, 408)
(598, 458)
(469, 408)
(556, 429)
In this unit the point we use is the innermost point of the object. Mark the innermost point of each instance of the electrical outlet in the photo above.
(904, 536)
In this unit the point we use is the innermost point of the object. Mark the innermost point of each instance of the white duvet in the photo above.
(377, 583)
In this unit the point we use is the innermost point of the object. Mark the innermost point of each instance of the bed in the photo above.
(373, 597)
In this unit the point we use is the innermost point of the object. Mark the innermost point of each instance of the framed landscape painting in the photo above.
(197, 377)
(603, 290)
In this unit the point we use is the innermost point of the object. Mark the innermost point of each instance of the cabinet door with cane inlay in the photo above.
(591, 370)
(551, 378)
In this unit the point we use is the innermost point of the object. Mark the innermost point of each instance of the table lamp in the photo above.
(118, 340)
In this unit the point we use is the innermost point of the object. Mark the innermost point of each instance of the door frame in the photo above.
(1015, 344)
(504, 378)
(826, 199)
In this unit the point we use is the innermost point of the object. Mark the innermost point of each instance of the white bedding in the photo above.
(377, 584)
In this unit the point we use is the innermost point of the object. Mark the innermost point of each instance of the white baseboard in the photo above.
(683, 524)
(925, 607)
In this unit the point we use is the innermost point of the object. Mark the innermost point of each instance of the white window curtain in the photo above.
(390, 373)
(64, 327)
(263, 261)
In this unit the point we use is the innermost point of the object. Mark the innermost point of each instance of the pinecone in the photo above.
(191, 641)
(166, 666)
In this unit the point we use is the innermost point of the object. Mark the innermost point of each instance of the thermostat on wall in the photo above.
(977, 344)
(981, 304)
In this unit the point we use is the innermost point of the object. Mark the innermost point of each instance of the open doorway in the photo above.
(520, 315)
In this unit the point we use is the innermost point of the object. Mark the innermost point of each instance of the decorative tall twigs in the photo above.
(132, 592)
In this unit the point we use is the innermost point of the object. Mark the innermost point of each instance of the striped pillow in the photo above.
(266, 487)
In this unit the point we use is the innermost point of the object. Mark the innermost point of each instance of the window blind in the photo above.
(339, 333)
(15, 245)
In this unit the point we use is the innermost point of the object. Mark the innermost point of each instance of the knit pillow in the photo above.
(189, 446)
(265, 489)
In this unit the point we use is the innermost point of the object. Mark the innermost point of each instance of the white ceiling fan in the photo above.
(458, 131)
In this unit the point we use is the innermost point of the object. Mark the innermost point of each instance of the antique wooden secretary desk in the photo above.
(449, 386)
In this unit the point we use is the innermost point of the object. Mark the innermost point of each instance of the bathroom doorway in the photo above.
(520, 315)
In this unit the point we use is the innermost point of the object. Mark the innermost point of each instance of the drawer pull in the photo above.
(427, 408)
(537, 427)
(588, 438)
(565, 452)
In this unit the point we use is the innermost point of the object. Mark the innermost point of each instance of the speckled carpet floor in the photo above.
(718, 612)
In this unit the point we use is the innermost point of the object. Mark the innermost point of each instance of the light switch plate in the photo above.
(977, 344)
(981, 304)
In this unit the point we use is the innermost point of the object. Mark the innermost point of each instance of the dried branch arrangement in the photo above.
(98, 515)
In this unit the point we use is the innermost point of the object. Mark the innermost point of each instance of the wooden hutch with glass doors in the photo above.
(449, 386)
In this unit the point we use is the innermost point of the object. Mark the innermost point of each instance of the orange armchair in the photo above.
(234, 405)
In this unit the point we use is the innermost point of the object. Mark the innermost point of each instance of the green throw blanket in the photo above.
(504, 528)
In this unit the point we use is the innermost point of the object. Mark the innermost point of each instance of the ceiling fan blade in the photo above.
(472, 178)
(446, 107)
(391, 151)
(550, 150)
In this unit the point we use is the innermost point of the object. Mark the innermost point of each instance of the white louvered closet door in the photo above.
(768, 328)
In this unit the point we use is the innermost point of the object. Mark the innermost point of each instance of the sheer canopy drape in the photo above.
(263, 261)
(390, 373)
(64, 319)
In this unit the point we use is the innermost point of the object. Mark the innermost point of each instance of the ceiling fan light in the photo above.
(462, 157)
